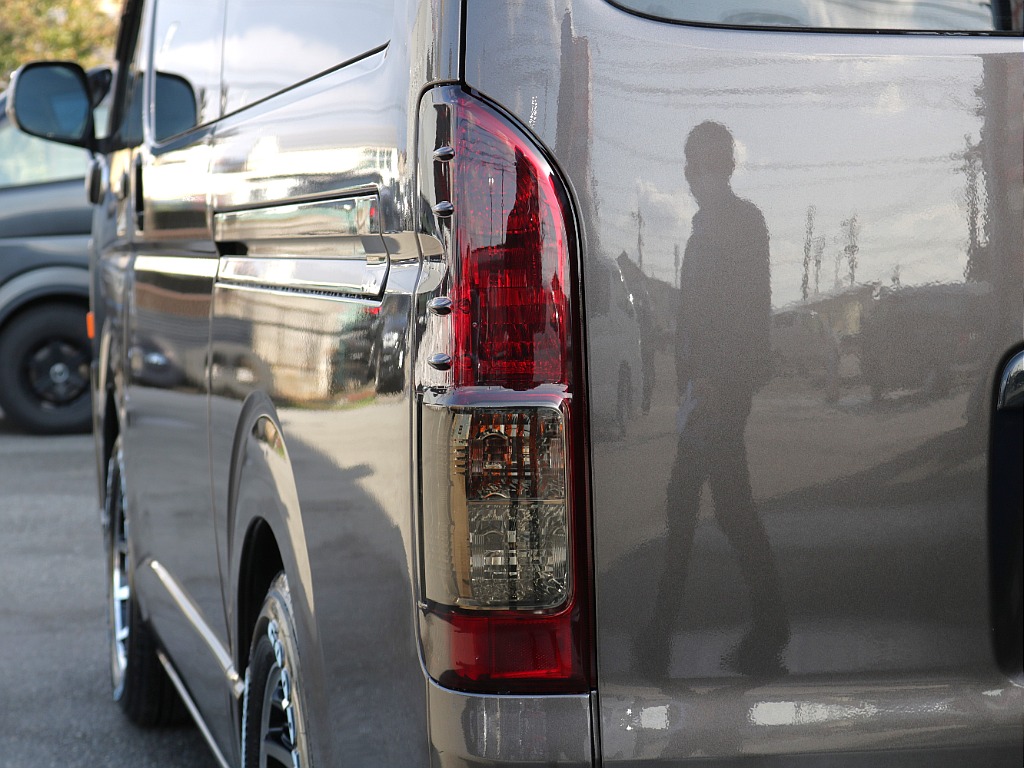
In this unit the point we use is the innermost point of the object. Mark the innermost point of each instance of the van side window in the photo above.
(186, 65)
(270, 45)
(894, 15)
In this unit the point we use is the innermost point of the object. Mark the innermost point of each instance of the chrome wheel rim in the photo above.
(278, 731)
(120, 591)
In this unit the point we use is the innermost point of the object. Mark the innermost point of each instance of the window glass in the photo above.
(26, 159)
(126, 121)
(186, 63)
(271, 45)
(920, 15)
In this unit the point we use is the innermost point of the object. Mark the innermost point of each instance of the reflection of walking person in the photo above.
(722, 359)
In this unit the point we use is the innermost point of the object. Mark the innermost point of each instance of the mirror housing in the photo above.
(53, 100)
(176, 108)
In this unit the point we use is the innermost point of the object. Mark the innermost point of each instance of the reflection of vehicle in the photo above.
(44, 283)
(387, 355)
(945, 341)
(426, 198)
(803, 344)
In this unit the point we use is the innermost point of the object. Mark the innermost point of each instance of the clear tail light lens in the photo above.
(502, 540)
(504, 531)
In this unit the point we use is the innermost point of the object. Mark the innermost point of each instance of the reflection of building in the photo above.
(1002, 163)
(301, 348)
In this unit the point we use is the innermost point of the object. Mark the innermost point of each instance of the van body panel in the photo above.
(801, 263)
(791, 549)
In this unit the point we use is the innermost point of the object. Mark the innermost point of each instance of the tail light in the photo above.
(504, 528)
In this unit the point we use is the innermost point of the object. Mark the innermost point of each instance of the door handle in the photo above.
(328, 246)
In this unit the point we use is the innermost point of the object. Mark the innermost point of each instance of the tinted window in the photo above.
(933, 15)
(271, 45)
(186, 60)
(25, 159)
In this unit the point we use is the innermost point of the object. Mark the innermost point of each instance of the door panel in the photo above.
(309, 344)
(824, 244)
(165, 432)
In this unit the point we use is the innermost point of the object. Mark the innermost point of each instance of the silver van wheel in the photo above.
(274, 731)
(140, 685)
(120, 591)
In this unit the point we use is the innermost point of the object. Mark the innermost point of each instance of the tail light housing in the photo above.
(504, 528)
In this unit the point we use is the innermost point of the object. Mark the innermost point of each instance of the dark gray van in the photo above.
(571, 382)
(44, 283)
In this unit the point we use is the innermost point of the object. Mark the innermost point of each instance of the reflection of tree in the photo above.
(808, 245)
(851, 249)
(814, 249)
(978, 222)
(638, 217)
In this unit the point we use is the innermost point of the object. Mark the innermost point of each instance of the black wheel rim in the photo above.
(278, 741)
(57, 372)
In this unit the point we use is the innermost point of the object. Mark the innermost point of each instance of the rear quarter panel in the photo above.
(828, 593)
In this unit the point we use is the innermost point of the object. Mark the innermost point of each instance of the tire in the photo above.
(140, 685)
(44, 379)
(274, 732)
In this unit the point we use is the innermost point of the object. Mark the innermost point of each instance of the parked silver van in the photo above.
(535, 382)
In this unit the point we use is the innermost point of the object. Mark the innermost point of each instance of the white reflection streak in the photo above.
(654, 718)
(772, 713)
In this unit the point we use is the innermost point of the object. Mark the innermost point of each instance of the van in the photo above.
(448, 395)
(44, 283)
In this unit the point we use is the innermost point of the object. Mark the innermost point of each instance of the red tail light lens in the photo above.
(505, 554)
(509, 297)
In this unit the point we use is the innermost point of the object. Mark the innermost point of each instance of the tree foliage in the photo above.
(67, 30)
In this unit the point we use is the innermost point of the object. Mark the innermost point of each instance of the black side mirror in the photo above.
(52, 100)
(100, 80)
(176, 109)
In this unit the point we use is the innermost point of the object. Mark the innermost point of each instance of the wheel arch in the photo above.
(259, 564)
(48, 285)
(265, 534)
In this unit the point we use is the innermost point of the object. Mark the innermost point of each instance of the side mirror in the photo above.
(52, 100)
(100, 80)
(176, 109)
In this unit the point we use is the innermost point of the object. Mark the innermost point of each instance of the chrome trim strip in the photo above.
(1011, 386)
(323, 218)
(327, 246)
(350, 278)
(172, 674)
(191, 612)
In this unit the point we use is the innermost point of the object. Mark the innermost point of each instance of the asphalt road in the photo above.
(55, 705)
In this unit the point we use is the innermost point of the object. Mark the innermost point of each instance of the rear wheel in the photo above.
(139, 682)
(44, 380)
(274, 731)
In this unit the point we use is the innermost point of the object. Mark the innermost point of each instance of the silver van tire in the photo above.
(274, 733)
(140, 685)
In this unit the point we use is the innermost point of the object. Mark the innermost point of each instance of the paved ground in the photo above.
(55, 707)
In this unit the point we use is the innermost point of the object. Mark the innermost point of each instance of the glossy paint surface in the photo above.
(813, 247)
(253, 279)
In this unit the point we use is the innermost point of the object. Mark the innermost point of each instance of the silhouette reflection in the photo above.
(723, 356)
